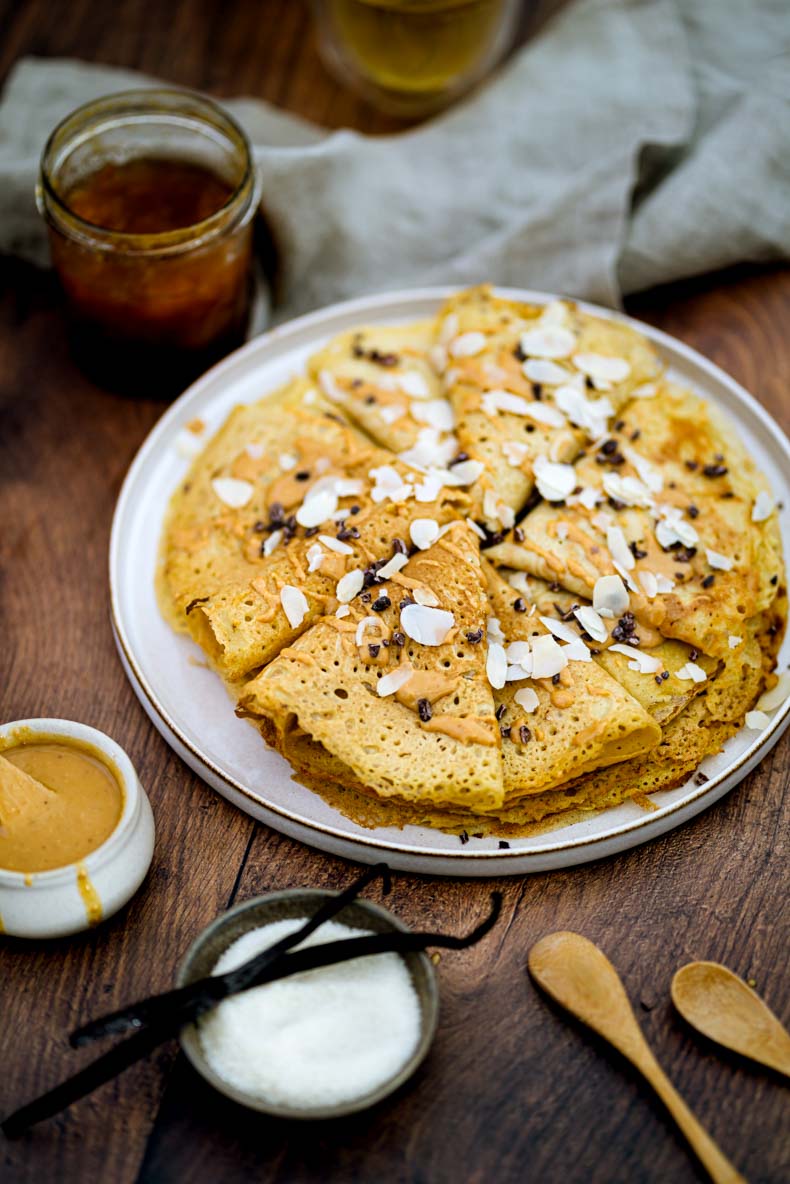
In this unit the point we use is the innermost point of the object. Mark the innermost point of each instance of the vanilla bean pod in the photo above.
(179, 1011)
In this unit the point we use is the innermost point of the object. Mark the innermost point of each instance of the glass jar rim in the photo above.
(90, 118)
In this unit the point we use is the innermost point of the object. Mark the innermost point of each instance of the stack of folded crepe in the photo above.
(485, 570)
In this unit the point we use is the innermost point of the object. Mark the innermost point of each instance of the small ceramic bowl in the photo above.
(302, 903)
(80, 895)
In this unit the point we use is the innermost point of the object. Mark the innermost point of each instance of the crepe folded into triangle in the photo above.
(560, 725)
(529, 382)
(672, 504)
(397, 689)
(384, 379)
(584, 722)
(656, 685)
(278, 521)
(699, 731)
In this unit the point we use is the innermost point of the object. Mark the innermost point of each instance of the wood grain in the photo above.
(510, 1090)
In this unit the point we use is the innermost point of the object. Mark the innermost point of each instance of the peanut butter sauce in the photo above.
(461, 727)
(425, 684)
(42, 831)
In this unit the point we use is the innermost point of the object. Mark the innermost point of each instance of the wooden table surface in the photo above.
(510, 1092)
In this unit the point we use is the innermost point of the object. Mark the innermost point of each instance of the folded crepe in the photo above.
(284, 511)
(699, 731)
(396, 689)
(199, 547)
(670, 503)
(383, 377)
(528, 382)
(561, 725)
(549, 733)
(663, 695)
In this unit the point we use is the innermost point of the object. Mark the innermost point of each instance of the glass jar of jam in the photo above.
(149, 198)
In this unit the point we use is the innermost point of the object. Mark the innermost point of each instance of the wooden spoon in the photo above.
(581, 979)
(20, 794)
(722, 1007)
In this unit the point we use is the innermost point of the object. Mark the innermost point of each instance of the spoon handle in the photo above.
(716, 1164)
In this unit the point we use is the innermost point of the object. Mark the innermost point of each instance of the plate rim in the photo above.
(651, 825)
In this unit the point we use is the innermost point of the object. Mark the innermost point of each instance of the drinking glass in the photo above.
(413, 57)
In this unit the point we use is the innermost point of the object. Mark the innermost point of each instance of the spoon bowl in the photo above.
(720, 1005)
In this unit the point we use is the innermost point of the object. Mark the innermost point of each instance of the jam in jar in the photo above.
(150, 198)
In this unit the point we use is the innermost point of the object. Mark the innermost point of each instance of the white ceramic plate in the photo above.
(189, 706)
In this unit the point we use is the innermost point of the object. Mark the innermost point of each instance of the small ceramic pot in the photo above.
(302, 903)
(76, 897)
